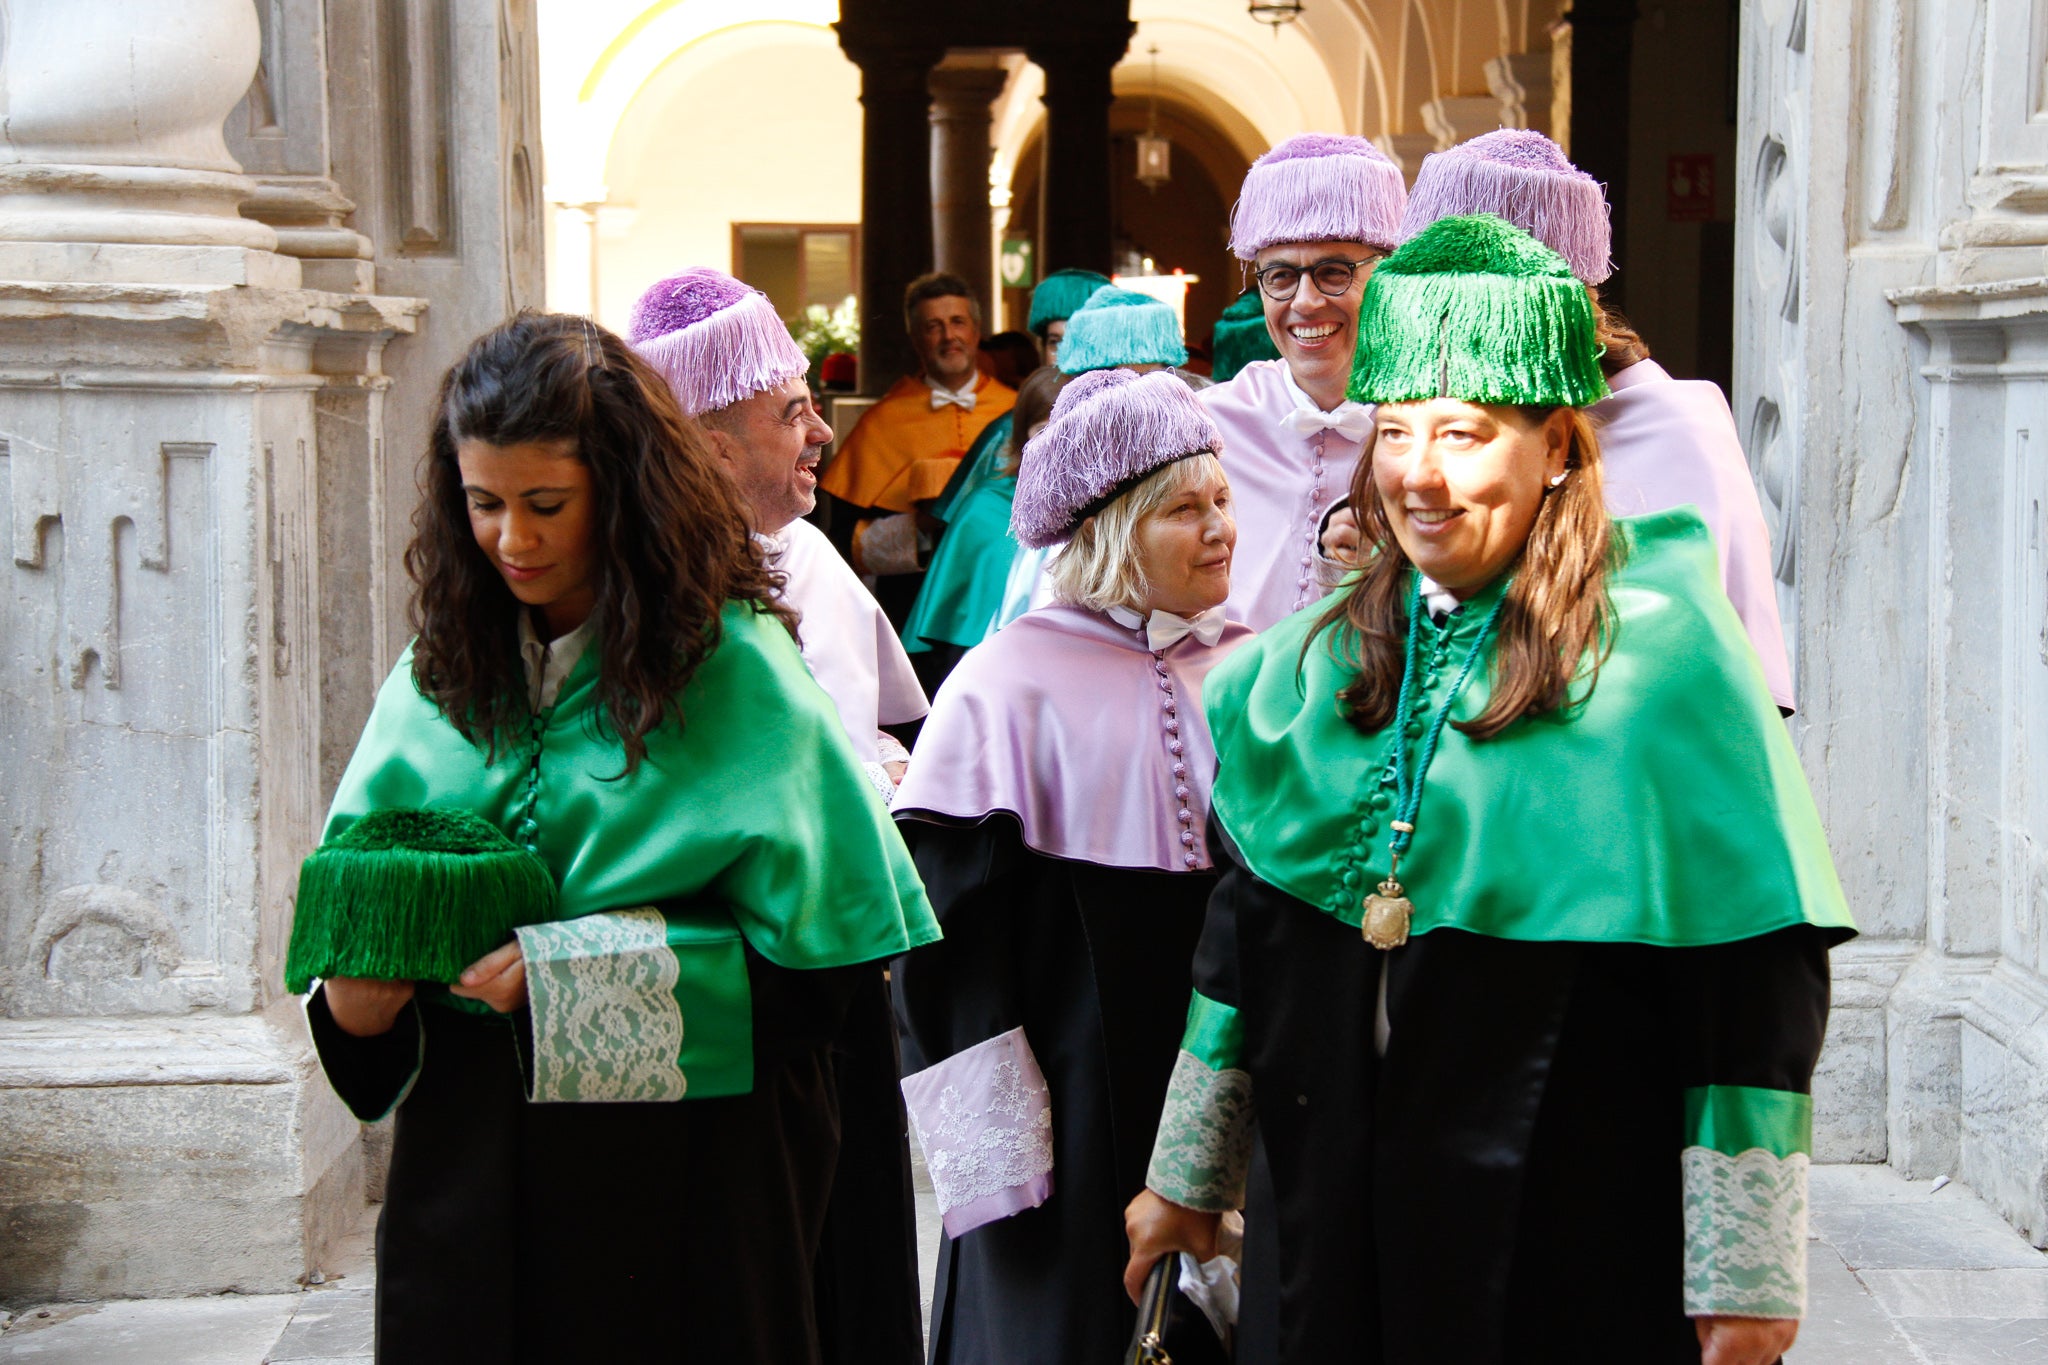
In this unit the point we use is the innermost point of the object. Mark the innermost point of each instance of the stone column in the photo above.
(960, 160)
(1456, 118)
(165, 385)
(1075, 225)
(1521, 82)
(895, 199)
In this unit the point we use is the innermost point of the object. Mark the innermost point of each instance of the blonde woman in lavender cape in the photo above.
(1056, 809)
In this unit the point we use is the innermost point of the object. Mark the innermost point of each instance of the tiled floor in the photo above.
(1905, 1274)
(1902, 1274)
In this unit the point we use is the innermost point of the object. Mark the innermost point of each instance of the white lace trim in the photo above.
(1745, 1233)
(606, 1025)
(983, 1119)
(1204, 1146)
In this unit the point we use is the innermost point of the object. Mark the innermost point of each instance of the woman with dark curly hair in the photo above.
(615, 1134)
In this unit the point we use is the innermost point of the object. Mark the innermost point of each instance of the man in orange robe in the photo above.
(903, 450)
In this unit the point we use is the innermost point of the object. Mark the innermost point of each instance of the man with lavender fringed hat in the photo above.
(734, 369)
(1315, 213)
(1665, 442)
(1057, 812)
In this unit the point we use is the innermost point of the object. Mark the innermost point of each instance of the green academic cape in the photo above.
(1660, 831)
(750, 824)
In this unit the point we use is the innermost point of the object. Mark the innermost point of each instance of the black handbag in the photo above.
(1171, 1329)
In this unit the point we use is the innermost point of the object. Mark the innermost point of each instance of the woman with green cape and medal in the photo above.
(1519, 959)
(615, 1133)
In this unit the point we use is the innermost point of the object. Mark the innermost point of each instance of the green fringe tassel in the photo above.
(412, 895)
(1478, 310)
(1240, 337)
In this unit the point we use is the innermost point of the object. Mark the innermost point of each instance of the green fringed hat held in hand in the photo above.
(412, 895)
(1477, 309)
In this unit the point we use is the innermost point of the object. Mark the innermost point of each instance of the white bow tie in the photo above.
(1350, 420)
(959, 398)
(1164, 630)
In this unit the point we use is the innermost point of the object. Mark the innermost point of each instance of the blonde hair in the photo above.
(1099, 568)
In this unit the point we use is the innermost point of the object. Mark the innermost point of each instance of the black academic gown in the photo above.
(1504, 1185)
(1092, 962)
(682, 1231)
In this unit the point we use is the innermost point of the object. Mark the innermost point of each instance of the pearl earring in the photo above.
(1556, 479)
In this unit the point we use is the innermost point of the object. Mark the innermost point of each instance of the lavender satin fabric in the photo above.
(983, 1119)
(1060, 719)
(1666, 442)
(852, 650)
(1283, 483)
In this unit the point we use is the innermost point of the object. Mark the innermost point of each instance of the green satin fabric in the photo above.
(963, 585)
(1733, 1119)
(756, 802)
(1669, 809)
(1214, 1033)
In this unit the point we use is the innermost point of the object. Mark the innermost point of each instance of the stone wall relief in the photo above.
(519, 141)
(127, 492)
(1770, 240)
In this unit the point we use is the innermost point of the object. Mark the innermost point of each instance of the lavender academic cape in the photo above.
(1667, 442)
(846, 639)
(1283, 483)
(1056, 807)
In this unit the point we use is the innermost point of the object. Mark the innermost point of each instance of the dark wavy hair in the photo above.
(672, 545)
(1555, 630)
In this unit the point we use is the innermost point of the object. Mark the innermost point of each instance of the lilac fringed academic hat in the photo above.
(713, 338)
(1109, 429)
(1318, 187)
(1522, 176)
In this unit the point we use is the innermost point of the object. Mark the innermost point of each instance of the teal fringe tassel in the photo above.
(408, 895)
(1478, 310)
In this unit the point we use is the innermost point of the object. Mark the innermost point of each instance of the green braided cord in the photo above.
(411, 895)
(1407, 785)
(1476, 309)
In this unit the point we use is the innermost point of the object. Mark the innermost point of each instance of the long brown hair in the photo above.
(1555, 628)
(672, 545)
(1620, 344)
(1035, 397)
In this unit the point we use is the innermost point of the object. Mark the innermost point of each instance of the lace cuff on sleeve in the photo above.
(637, 1005)
(983, 1119)
(1745, 1176)
(1205, 1137)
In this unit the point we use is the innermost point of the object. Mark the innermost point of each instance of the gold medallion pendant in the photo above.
(1387, 915)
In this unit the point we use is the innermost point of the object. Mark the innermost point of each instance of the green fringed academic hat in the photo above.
(412, 895)
(1240, 337)
(1059, 296)
(1477, 309)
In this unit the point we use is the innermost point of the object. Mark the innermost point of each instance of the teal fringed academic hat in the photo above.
(1059, 296)
(1477, 309)
(412, 895)
(1118, 327)
(1240, 337)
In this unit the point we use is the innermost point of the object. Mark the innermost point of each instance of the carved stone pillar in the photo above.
(169, 406)
(1075, 225)
(1456, 118)
(279, 133)
(895, 200)
(960, 159)
(1521, 83)
(1407, 151)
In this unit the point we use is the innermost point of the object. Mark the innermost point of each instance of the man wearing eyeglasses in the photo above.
(1315, 214)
